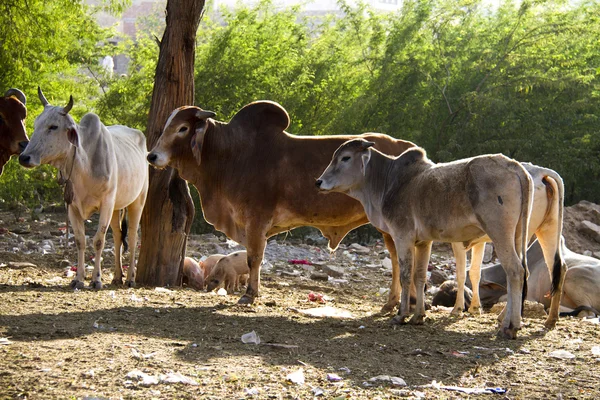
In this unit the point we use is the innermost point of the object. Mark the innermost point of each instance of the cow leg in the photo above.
(405, 251)
(115, 226)
(549, 239)
(99, 239)
(134, 215)
(79, 231)
(515, 276)
(394, 296)
(460, 255)
(257, 242)
(421, 261)
(475, 275)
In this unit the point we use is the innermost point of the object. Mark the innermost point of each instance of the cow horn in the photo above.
(42, 97)
(18, 94)
(68, 107)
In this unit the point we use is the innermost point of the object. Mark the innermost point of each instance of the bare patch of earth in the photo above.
(66, 344)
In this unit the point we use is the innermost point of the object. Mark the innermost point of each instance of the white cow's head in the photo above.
(183, 135)
(347, 167)
(55, 132)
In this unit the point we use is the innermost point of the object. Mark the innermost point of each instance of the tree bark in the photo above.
(169, 210)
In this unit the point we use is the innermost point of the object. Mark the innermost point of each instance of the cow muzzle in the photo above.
(27, 161)
(156, 161)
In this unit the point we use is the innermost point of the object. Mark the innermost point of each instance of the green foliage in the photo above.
(459, 78)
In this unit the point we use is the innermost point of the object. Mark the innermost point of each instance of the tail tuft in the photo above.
(124, 234)
(556, 271)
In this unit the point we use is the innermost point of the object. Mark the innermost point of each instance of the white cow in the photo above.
(108, 172)
(418, 202)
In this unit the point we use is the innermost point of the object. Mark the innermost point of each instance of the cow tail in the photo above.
(555, 184)
(124, 229)
(526, 204)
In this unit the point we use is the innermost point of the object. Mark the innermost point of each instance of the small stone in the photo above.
(590, 229)
(319, 276)
(438, 277)
(331, 270)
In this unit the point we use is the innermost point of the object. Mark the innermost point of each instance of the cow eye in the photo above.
(346, 158)
(183, 129)
(53, 127)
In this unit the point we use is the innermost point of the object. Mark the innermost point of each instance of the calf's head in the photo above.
(13, 137)
(183, 133)
(53, 135)
(347, 167)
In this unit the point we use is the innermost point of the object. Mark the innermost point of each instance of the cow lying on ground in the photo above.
(193, 274)
(13, 137)
(545, 221)
(581, 290)
(107, 171)
(418, 202)
(230, 271)
(255, 180)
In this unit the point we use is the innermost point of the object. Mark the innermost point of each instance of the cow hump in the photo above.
(262, 115)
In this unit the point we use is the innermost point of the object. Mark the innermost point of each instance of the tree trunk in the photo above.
(169, 210)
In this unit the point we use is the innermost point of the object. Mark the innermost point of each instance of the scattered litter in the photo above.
(162, 290)
(345, 369)
(387, 263)
(4, 340)
(394, 380)
(562, 354)
(595, 350)
(222, 292)
(139, 356)
(362, 327)
(251, 391)
(317, 391)
(336, 280)
(112, 294)
(176, 377)
(383, 291)
(591, 320)
(296, 377)
(316, 297)
(357, 248)
(327, 311)
(135, 298)
(251, 337)
(467, 390)
(301, 262)
(143, 378)
(333, 377)
(281, 345)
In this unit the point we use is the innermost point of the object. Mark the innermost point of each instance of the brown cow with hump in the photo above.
(13, 137)
(255, 180)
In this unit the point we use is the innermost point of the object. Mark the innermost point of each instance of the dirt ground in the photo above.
(57, 343)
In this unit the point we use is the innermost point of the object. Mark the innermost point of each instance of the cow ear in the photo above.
(365, 157)
(73, 137)
(198, 139)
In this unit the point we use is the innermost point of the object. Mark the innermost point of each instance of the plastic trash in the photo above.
(4, 340)
(222, 292)
(162, 290)
(251, 337)
(142, 378)
(333, 377)
(595, 350)
(301, 262)
(296, 377)
(317, 391)
(318, 297)
(468, 390)
(562, 354)
(394, 380)
(326, 312)
(176, 377)
(251, 391)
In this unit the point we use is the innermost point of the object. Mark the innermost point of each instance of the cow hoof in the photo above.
(509, 333)
(417, 320)
(475, 310)
(388, 308)
(96, 285)
(456, 311)
(550, 323)
(245, 299)
(75, 284)
(399, 320)
(116, 282)
(130, 284)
